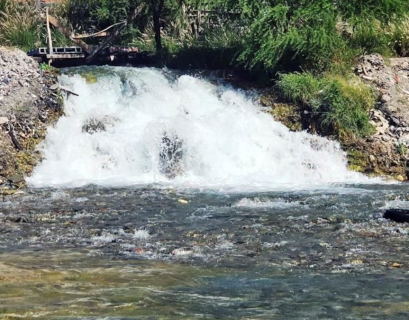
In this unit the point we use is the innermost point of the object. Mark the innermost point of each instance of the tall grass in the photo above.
(399, 37)
(340, 104)
(20, 25)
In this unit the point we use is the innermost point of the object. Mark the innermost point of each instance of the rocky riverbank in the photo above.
(384, 153)
(29, 102)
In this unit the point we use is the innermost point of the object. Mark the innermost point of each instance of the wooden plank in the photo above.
(50, 40)
(97, 35)
(68, 34)
(132, 15)
(65, 56)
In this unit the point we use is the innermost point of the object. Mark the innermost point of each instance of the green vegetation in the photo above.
(50, 69)
(263, 36)
(402, 149)
(20, 26)
(341, 105)
(357, 160)
(317, 35)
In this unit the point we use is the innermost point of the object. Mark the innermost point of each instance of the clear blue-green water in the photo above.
(155, 253)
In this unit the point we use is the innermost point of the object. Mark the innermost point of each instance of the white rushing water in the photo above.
(181, 132)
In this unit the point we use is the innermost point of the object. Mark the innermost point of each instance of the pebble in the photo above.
(396, 265)
(4, 120)
(386, 98)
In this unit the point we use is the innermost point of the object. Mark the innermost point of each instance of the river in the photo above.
(170, 197)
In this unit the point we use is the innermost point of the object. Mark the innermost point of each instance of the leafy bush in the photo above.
(303, 35)
(340, 105)
(291, 37)
(371, 37)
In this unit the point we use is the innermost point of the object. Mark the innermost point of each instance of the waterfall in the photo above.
(141, 126)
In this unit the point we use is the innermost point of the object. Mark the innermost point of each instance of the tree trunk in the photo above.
(157, 6)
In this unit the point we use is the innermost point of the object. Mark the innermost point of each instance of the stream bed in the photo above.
(161, 253)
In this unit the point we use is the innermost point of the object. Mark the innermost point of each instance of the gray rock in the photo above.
(4, 120)
(386, 98)
(16, 178)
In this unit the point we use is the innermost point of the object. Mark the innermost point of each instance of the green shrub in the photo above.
(290, 37)
(304, 35)
(4, 4)
(340, 105)
(89, 16)
(399, 37)
(371, 37)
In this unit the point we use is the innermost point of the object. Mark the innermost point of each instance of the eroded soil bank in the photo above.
(29, 102)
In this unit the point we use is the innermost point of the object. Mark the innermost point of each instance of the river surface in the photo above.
(165, 196)
(157, 253)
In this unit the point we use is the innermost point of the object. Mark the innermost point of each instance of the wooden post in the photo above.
(50, 40)
(68, 34)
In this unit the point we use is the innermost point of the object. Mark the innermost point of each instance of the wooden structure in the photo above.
(82, 52)
(70, 56)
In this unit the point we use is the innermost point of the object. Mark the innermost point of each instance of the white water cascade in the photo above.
(140, 126)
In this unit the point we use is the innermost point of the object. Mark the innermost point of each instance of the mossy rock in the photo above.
(357, 160)
(7, 192)
(268, 99)
(90, 78)
(287, 114)
(25, 162)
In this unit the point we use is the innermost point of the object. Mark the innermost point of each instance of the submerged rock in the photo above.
(95, 125)
(171, 156)
(397, 215)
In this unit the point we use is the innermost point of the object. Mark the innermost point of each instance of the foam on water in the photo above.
(257, 203)
(226, 138)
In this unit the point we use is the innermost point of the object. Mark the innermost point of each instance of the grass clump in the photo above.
(399, 37)
(402, 149)
(340, 105)
(20, 24)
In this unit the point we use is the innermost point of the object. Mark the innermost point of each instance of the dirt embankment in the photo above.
(386, 151)
(27, 105)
